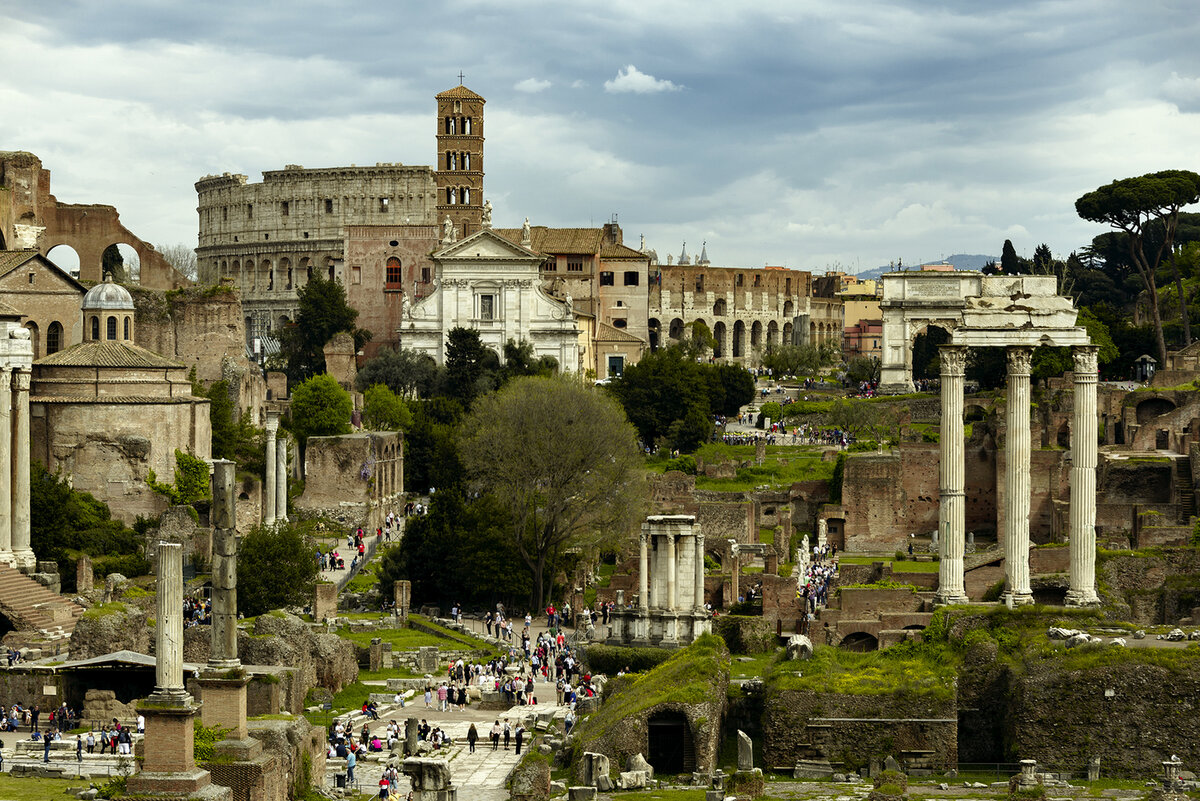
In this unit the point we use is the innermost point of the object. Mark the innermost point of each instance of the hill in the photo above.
(961, 261)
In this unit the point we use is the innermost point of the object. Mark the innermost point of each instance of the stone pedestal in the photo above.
(225, 703)
(1082, 591)
(952, 509)
(1016, 480)
(324, 601)
(85, 578)
(402, 597)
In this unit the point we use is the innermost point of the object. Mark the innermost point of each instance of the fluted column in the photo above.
(270, 457)
(1082, 591)
(699, 540)
(6, 440)
(22, 550)
(168, 639)
(281, 481)
(643, 573)
(1016, 479)
(952, 510)
(672, 565)
(223, 652)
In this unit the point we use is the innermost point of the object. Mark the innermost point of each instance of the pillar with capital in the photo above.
(699, 588)
(1082, 512)
(6, 449)
(1016, 479)
(281, 482)
(22, 549)
(952, 508)
(270, 459)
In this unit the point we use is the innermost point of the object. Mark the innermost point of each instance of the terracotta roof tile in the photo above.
(460, 92)
(558, 240)
(107, 354)
(622, 252)
(608, 333)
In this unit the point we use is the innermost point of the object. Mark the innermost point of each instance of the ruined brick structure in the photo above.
(32, 219)
(47, 297)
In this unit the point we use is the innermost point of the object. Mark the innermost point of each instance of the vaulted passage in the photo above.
(671, 748)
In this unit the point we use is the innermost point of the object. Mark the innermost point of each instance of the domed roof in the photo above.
(108, 296)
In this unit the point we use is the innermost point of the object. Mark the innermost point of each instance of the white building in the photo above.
(494, 286)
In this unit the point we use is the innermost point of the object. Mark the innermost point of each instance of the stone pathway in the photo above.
(480, 776)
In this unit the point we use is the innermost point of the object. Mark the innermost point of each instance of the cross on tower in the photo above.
(460, 77)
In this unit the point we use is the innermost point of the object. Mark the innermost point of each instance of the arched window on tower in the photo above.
(127, 328)
(466, 125)
(466, 161)
(451, 196)
(393, 275)
(54, 338)
(95, 328)
(466, 196)
(112, 328)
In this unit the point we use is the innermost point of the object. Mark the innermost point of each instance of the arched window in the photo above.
(54, 338)
(112, 328)
(466, 161)
(451, 195)
(95, 328)
(392, 278)
(126, 328)
(466, 196)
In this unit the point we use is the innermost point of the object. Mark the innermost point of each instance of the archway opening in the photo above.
(65, 257)
(719, 340)
(859, 642)
(671, 747)
(1151, 408)
(121, 261)
(926, 363)
(652, 327)
(676, 330)
(739, 337)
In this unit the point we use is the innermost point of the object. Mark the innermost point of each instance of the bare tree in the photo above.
(183, 259)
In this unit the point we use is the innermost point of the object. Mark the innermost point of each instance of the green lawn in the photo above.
(906, 566)
(39, 789)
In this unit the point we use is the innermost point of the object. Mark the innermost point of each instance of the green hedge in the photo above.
(744, 634)
(610, 659)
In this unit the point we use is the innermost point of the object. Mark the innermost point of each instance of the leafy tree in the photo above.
(1132, 205)
(1010, 263)
(733, 389)
(1049, 362)
(469, 365)
(320, 408)
(323, 312)
(191, 483)
(1043, 260)
(384, 411)
(792, 359)
(563, 461)
(519, 360)
(700, 341)
(851, 416)
(276, 567)
(408, 373)
(862, 368)
(666, 386)
(430, 454)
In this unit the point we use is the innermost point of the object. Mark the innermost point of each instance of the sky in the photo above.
(815, 135)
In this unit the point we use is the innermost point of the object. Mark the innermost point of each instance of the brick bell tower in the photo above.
(459, 172)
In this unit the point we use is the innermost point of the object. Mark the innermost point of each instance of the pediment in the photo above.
(485, 245)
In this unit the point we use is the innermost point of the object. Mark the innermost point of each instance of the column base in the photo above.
(1082, 598)
(1017, 598)
(948, 598)
(25, 560)
(897, 388)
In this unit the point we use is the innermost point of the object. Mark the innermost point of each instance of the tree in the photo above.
(276, 567)
(796, 360)
(323, 313)
(862, 368)
(519, 360)
(320, 408)
(183, 259)
(733, 389)
(563, 461)
(700, 341)
(384, 411)
(430, 453)
(191, 483)
(408, 373)
(1132, 205)
(851, 416)
(234, 437)
(469, 365)
(1010, 264)
(666, 386)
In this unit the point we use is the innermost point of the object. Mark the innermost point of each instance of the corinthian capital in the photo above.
(1019, 360)
(953, 358)
(1085, 356)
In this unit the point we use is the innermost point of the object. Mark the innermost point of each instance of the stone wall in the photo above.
(334, 470)
(1156, 588)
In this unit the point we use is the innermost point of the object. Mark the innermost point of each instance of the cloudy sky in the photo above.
(811, 134)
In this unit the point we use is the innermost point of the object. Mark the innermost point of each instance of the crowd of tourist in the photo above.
(197, 611)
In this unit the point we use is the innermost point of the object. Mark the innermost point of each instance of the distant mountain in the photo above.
(961, 261)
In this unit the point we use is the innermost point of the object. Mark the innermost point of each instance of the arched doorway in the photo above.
(859, 642)
(676, 330)
(787, 334)
(652, 327)
(772, 333)
(756, 331)
(670, 744)
(719, 332)
(739, 338)
(925, 361)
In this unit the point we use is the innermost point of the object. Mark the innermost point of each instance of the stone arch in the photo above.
(719, 308)
(812, 334)
(739, 339)
(670, 744)
(859, 641)
(304, 271)
(267, 279)
(772, 333)
(285, 274)
(719, 334)
(788, 308)
(1153, 407)
(756, 334)
(131, 260)
(653, 328)
(787, 333)
(65, 257)
(675, 333)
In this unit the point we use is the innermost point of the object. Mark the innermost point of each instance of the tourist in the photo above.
(351, 761)
(520, 737)
(496, 735)
(384, 787)
(78, 748)
(91, 742)
(507, 733)
(568, 721)
(472, 736)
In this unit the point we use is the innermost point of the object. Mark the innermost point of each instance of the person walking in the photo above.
(472, 736)
(520, 737)
(507, 733)
(46, 746)
(496, 735)
(351, 761)
(79, 748)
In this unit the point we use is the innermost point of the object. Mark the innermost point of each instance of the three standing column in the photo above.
(1082, 591)
(1016, 479)
(952, 509)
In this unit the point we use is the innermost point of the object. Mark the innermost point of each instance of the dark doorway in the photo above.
(672, 750)
(860, 642)
(1162, 439)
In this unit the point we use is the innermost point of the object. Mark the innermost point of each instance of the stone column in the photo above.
(281, 481)
(952, 511)
(1082, 591)
(699, 540)
(672, 566)
(168, 638)
(1016, 479)
(269, 462)
(223, 652)
(22, 552)
(643, 573)
(6, 440)
(735, 570)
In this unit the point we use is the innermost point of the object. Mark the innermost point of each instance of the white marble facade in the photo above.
(16, 365)
(487, 283)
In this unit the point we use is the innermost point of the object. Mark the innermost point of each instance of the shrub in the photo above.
(611, 659)
(994, 592)
(899, 556)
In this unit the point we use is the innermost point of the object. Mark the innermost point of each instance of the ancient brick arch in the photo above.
(1153, 406)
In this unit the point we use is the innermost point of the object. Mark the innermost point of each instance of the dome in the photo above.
(108, 296)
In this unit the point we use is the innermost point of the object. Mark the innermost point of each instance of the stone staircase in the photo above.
(34, 611)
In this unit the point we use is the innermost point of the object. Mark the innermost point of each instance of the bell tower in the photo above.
(459, 172)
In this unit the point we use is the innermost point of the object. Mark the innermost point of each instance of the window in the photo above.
(126, 328)
(758, 280)
(329, 205)
(249, 211)
(31, 277)
(392, 278)
(458, 107)
(631, 278)
(112, 328)
(620, 323)
(224, 214)
(487, 307)
(606, 278)
(466, 161)
(616, 365)
(54, 338)
(450, 196)
(787, 286)
(383, 204)
(551, 265)
(574, 264)
(700, 282)
(740, 279)
(466, 197)
(356, 274)
(466, 125)
(283, 208)
(95, 328)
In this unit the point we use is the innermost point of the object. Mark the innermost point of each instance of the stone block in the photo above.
(427, 774)
(745, 757)
(638, 762)
(581, 793)
(604, 783)
(427, 659)
(631, 780)
(799, 647)
(594, 766)
(325, 602)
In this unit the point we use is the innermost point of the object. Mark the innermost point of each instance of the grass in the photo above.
(12, 789)
(409, 639)
(758, 666)
(766, 536)
(906, 566)
(909, 671)
(350, 697)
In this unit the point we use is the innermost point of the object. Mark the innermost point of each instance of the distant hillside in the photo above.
(961, 261)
